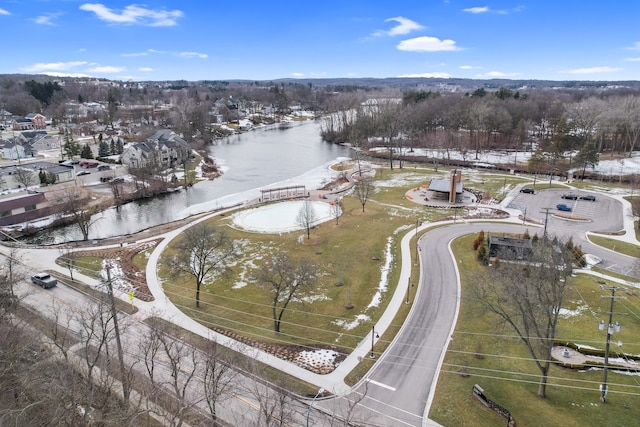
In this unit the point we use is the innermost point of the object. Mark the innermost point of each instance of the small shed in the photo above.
(509, 248)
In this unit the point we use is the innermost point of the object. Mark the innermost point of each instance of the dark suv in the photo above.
(570, 196)
(528, 190)
(588, 197)
(44, 279)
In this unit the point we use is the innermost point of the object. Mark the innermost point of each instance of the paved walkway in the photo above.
(333, 382)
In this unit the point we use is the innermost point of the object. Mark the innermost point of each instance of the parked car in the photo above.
(588, 197)
(528, 190)
(570, 196)
(104, 168)
(44, 279)
(564, 208)
(83, 173)
(88, 164)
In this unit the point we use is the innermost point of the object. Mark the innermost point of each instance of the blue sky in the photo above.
(262, 40)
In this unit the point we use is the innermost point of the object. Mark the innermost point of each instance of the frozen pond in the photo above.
(281, 217)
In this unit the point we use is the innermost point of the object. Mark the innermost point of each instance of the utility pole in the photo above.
(546, 219)
(611, 328)
(114, 313)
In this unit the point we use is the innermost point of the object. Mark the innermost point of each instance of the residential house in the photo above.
(164, 148)
(13, 151)
(22, 124)
(39, 121)
(226, 102)
(44, 142)
(30, 121)
(6, 118)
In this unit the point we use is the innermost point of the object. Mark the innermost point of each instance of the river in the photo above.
(252, 160)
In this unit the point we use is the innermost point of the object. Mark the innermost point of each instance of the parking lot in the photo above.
(604, 213)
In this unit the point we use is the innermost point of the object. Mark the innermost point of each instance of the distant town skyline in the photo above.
(171, 40)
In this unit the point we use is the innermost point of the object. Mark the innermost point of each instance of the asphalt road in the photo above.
(402, 381)
(399, 389)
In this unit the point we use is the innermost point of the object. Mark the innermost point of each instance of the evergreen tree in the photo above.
(103, 149)
(119, 147)
(112, 147)
(71, 147)
(588, 156)
(86, 152)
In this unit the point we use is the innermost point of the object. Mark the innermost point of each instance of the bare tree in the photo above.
(347, 411)
(528, 298)
(9, 276)
(286, 279)
(25, 177)
(336, 209)
(172, 366)
(363, 189)
(307, 216)
(219, 378)
(274, 403)
(117, 189)
(204, 252)
(76, 206)
(67, 258)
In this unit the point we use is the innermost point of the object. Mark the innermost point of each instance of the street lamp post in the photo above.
(408, 288)
(373, 337)
(311, 404)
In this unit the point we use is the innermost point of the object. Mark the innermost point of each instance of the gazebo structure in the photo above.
(448, 189)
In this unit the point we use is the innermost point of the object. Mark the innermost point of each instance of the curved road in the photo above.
(400, 387)
(401, 384)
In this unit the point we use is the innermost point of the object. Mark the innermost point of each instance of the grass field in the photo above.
(352, 254)
(486, 352)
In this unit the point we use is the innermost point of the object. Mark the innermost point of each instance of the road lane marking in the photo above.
(381, 385)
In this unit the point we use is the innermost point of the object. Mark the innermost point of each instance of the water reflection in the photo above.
(250, 160)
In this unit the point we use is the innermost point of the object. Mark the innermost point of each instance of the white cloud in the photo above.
(106, 69)
(145, 69)
(47, 19)
(497, 74)
(53, 66)
(193, 55)
(163, 52)
(134, 14)
(311, 74)
(591, 70)
(632, 59)
(427, 44)
(482, 9)
(56, 74)
(486, 9)
(636, 46)
(428, 75)
(405, 26)
(469, 67)
(4, 12)
(135, 54)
